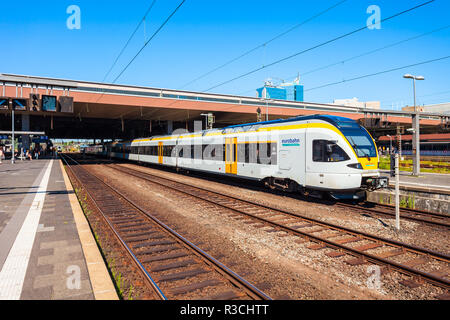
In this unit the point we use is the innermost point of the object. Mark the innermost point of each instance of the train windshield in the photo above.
(358, 137)
(361, 141)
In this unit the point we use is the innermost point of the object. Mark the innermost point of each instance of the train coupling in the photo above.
(375, 183)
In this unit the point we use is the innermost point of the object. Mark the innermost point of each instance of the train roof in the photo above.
(340, 122)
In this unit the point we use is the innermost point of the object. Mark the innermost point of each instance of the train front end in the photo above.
(365, 158)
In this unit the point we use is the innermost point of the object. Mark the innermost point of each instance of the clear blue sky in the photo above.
(207, 33)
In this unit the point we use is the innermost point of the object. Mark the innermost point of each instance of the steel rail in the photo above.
(399, 267)
(409, 214)
(135, 260)
(226, 272)
(413, 211)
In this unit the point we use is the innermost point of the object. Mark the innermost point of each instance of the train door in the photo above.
(317, 171)
(231, 155)
(291, 157)
(160, 152)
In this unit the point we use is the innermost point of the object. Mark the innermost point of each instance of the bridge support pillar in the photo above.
(25, 127)
(169, 126)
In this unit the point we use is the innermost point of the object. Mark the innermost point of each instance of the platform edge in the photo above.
(102, 285)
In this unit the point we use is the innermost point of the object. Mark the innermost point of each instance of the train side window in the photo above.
(247, 153)
(328, 151)
(253, 152)
(241, 152)
(264, 151)
(218, 152)
(211, 151)
(167, 151)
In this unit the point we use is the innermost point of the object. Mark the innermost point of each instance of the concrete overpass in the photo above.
(123, 111)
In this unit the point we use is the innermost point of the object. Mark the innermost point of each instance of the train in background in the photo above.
(310, 154)
(431, 145)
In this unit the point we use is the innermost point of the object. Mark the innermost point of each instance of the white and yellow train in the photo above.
(312, 153)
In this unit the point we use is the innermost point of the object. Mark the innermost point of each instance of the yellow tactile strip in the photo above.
(100, 279)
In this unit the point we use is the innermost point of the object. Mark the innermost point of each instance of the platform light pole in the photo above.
(397, 192)
(416, 127)
(13, 146)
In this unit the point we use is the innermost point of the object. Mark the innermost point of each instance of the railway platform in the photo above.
(425, 182)
(47, 250)
(428, 192)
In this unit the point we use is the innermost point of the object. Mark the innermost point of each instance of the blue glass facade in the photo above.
(285, 92)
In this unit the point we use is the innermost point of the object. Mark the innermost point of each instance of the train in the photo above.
(429, 149)
(313, 155)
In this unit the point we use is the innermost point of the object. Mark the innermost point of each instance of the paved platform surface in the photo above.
(424, 180)
(41, 254)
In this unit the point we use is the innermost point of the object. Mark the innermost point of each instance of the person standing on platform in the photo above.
(1, 154)
(28, 155)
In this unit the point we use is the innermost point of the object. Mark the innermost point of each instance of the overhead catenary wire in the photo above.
(317, 46)
(145, 45)
(363, 54)
(151, 38)
(391, 102)
(263, 45)
(129, 40)
(419, 96)
(378, 73)
(375, 50)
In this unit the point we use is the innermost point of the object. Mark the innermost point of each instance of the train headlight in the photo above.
(355, 166)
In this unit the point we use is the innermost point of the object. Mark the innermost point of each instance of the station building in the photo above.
(284, 91)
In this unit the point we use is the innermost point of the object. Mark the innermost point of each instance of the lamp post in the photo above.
(416, 127)
(13, 146)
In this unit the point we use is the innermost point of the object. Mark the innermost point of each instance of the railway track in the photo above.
(173, 266)
(367, 208)
(429, 218)
(416, 265)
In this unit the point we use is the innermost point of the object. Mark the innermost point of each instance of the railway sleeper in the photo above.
(165, 257)
(356, 261)
(182, 275)
(194, 287)
(228, 295)
(146, 238)
(122, 225)
(174, 265)
(368, 246)
(153, 243)
(410, 283)
(122, 221)
(157, 250)
(136, 229)
(390, 253)
(141, 234)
